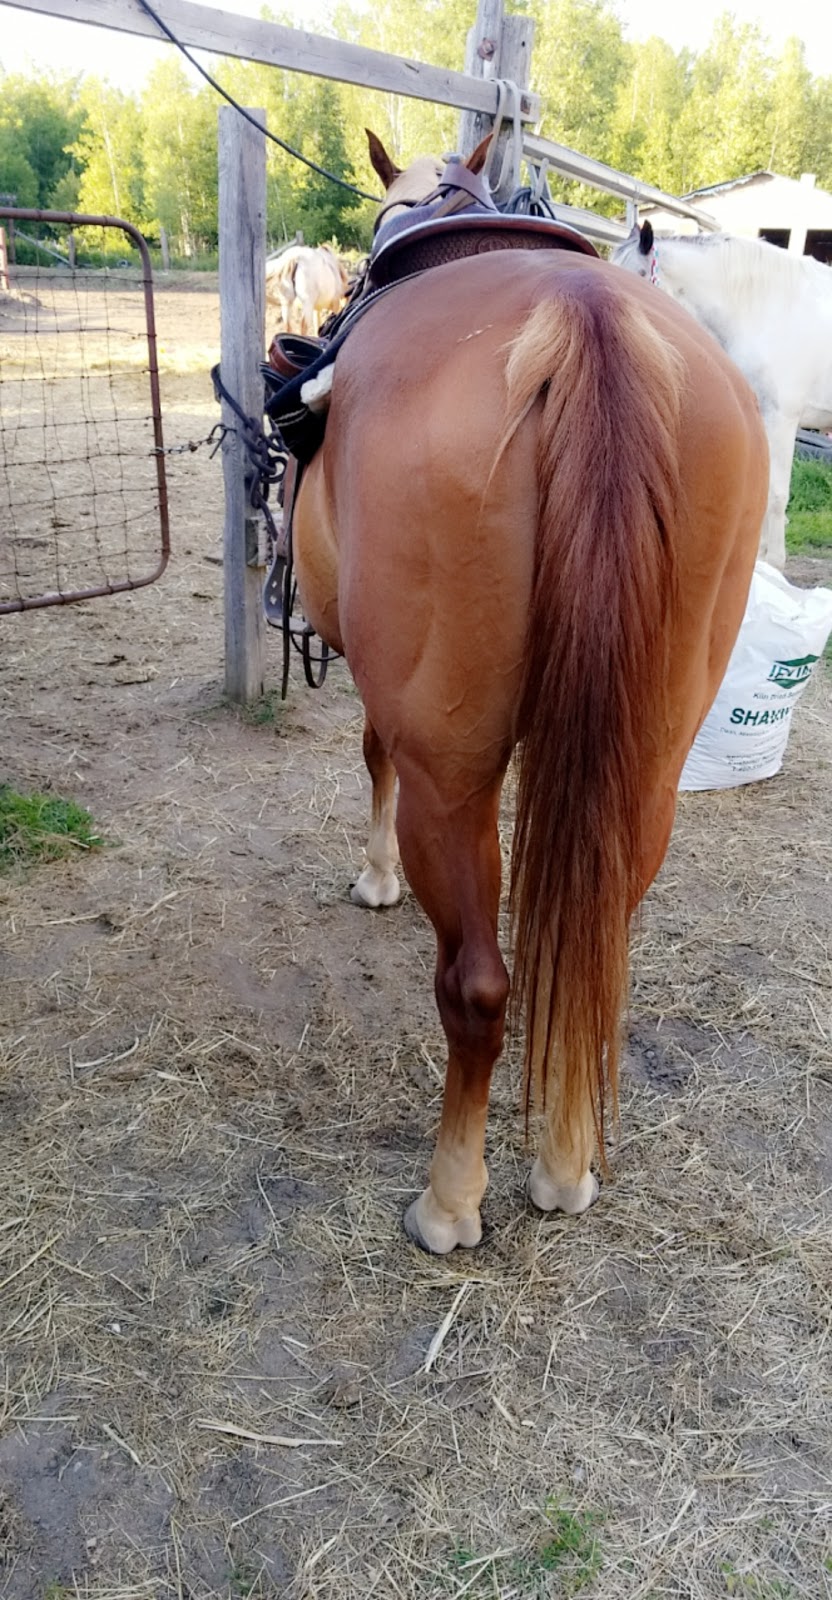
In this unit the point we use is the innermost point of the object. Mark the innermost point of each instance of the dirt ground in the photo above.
(219, 1084)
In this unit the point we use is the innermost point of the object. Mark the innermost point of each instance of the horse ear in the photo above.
(382, 165)
(476, 161)
(645, 238)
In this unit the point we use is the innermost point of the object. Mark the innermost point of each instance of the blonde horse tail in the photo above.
(607, 388)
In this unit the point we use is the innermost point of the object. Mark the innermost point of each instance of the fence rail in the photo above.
(207, 28)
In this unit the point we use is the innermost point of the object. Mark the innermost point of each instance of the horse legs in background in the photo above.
(781, 435)
(451, 854)
(305, 299)
(378, 884)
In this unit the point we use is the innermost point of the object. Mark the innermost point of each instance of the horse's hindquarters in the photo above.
(570, 550)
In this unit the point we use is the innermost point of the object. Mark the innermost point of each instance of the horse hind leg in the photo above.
(452, 860)
(378, 884)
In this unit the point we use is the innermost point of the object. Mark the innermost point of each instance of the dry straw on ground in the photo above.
(226, 1372)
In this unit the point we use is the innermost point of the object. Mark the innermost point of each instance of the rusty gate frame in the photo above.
(68, 597)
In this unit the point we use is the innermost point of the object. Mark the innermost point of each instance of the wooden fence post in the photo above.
(497, 47)
(165, 249)
(4, 263)
(242, 274)
(482, 49)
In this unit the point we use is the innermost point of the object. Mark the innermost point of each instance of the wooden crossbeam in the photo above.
(205, 28)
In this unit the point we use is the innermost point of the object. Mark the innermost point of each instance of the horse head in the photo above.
(636, 250)
(410, 186)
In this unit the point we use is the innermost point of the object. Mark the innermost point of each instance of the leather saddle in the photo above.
(460, 219)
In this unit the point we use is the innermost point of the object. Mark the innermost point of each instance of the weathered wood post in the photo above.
(4, 263)
(497, 47)
(242, 249)
(165, 249)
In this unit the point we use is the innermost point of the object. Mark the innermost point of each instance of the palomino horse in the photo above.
(304, 285)
(531, 527)
(772, 313)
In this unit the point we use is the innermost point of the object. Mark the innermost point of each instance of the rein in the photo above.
(268, 461)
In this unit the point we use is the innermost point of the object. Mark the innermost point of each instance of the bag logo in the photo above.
(791, 674)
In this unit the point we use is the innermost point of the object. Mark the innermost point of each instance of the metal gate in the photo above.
(83, 495)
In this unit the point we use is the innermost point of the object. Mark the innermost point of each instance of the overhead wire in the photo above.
(290, 149)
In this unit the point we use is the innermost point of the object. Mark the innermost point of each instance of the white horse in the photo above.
(303, 284)
(772, 314)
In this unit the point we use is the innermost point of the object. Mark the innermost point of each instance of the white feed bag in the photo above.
(745, 733)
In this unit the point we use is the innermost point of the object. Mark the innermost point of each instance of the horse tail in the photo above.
(608, 389)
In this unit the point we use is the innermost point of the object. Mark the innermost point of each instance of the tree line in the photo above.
(675, 119)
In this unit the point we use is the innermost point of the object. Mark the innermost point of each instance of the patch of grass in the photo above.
(810, 506)
(750, 1586)
(573, 1548)
(570, 1548)
(41, 827)
(264, 712)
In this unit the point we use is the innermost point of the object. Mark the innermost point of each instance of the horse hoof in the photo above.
(571, 1198)
(375, 889)
(426, 1227)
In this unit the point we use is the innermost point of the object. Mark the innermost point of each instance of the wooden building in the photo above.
(793, 213)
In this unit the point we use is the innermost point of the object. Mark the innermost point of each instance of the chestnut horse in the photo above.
(531, 528)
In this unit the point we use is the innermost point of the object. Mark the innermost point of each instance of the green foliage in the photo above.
(578, 63)
(109, 151)
(40, 118)
(179, 127)
(676, 120)
(41, 827)
(810, 506)
(646, 112)
(722, 124)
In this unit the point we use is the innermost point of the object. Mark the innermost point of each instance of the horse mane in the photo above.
(750, 269)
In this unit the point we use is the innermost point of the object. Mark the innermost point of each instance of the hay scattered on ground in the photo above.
(220, 1083)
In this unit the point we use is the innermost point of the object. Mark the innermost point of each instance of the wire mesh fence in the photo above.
(83, 498)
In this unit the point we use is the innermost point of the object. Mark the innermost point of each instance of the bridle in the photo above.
(455, 190)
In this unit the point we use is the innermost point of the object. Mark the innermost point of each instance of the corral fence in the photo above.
(83, 494)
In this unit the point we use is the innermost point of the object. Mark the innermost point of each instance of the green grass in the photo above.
(265, 712)
(41, 827)
(750, 1586)
(568, 1548)
(810, 507)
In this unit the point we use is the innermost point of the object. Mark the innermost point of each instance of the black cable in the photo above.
(290, 150)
